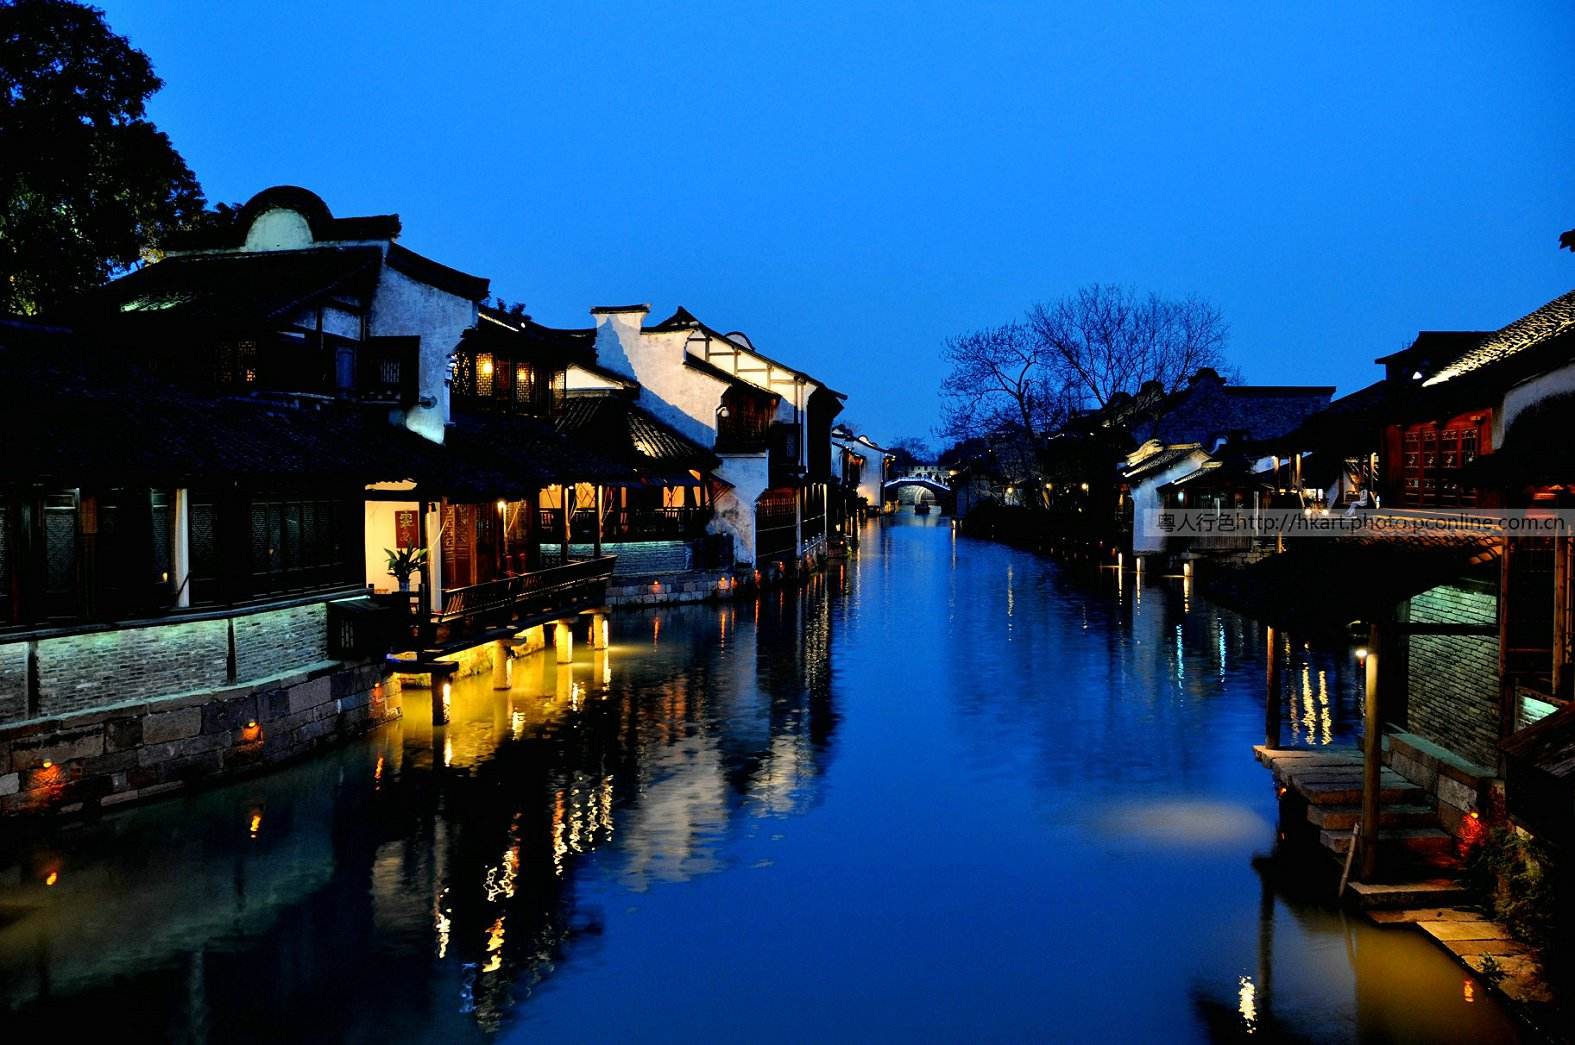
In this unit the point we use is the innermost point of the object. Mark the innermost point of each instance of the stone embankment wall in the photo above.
(93, 719)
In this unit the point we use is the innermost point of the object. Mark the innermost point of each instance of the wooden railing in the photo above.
(529, 598)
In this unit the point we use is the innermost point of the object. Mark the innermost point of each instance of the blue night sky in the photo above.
(850, 183)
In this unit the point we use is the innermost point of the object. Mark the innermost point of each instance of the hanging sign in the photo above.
(407, 529)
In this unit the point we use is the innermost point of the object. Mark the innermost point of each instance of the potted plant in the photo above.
(404, 562)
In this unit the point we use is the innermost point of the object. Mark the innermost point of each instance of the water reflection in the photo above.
(950, 790)
(442, 857)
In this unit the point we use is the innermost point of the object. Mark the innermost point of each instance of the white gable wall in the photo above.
(402, 307)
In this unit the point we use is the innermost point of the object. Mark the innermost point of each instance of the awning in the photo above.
(1321, 584)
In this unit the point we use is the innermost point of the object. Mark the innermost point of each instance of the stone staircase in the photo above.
(1418, 862)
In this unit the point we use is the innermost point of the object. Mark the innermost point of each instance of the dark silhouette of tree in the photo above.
(1001, 379)
(908, 451)
(88, 186)
(1103, 341)
(1567, 240)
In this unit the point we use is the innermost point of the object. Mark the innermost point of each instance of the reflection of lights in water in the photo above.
(1181, 667)
(517, 724)
(448, 750)
(1222, 650)
(1468, 992)
(559, 847)
(1011, 598)
(441, 923)
(500, 879)
(254, 825)
(606, 806)
(377, 771)
(1325, 719)
(1309, 713)
(1185, 822)
(494, 947)
(1247, 1003)
(656, 630)
(1186, 592)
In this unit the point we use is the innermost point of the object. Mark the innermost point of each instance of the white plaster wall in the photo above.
(1145, 497)
(278, 229)
(379, 536)
(679, 395)
(402, 307)
(734, 511)
(1542, 386)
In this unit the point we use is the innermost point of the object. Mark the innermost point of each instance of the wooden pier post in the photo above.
(502, 665)
(1271, 698)
(442, 694)
(1372, 759)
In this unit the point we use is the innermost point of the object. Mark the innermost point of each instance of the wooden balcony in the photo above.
(626, 524)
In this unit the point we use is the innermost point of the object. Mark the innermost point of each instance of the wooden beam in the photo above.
(1271, 695)
(1372, 758)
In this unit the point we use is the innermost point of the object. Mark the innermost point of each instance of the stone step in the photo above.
(1426, 893)
(1347, 792)
(1341, 817)
(1419, 840)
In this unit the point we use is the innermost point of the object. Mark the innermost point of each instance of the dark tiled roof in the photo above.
(83, 416)
(616, 428)
(1208, 411)
(520, 337)
(491, 455)
(434, 274)
(225, 292)
(1160, 460)
(1308, 590)
(86, 417)
(1552, 320)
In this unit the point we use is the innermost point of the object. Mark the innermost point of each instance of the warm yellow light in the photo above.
(1361, 653)
(255, 825)
(503, 505)
(53, 877)
(486, 366)
(48, 763)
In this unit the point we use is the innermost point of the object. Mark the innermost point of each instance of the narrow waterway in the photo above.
(951, 791)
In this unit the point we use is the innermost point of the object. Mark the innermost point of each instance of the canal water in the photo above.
(951, 791)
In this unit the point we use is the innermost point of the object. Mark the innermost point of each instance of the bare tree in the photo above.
(1104, 340)
(1001, 379)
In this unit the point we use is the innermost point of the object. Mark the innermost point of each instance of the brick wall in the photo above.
(97, 759)
(280, 640)
(642, 558)
(1453, 679)
(99, 669)
(13, 681)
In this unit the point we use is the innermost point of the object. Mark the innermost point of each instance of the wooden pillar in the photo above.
(442, 695)
(1271, 699)
(1372, 758)
(598, 548)
(1561, 623)
(502, 665)
(533, 529)
(563, 641)
(565, 493)
(180, 552)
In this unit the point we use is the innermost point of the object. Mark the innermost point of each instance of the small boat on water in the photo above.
(922, 508)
